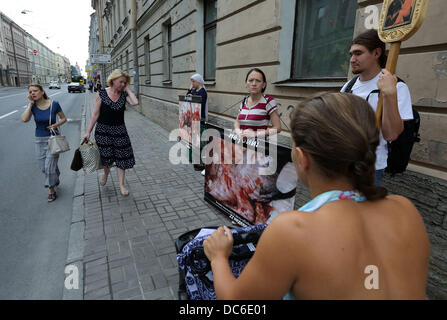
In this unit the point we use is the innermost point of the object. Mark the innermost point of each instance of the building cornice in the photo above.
(149, 12)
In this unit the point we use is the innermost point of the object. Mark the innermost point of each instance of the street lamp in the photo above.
(25, 11)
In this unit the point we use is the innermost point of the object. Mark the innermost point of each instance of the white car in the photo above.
(54, 85)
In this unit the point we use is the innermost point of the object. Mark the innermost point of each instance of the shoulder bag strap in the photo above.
(51, 111)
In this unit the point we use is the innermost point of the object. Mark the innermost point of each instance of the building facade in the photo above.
(3, 56)
(302, 46)
(94, 47)
(18, 70)
(24, 59)
(67, 69)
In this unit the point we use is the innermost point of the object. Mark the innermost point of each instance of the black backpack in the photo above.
(399, 150)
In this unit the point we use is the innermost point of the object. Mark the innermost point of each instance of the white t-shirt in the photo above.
(363, 89)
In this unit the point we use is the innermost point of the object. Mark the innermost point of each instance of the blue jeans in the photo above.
(379, 177)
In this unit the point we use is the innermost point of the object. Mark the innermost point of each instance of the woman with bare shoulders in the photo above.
(352, 240)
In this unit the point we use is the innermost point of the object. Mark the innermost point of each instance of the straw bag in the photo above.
(57, 143)
(91, 159)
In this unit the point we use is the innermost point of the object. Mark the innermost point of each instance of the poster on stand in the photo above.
(189, 120)
(246, 180)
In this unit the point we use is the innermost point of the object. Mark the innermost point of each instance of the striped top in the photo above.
(258, 116)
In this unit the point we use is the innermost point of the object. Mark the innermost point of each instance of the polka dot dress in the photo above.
(111, 134)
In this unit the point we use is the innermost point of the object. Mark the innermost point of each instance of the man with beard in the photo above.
(368, 61)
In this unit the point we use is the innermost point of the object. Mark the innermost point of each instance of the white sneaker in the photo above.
(203, 173)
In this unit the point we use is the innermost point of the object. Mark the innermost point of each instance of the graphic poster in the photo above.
(236, 181)
(189, 120)
(400, 13)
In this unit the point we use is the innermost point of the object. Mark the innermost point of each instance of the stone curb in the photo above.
(75, 251)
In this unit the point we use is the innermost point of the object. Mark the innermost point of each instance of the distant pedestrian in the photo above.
(90, 85)
(98, 85)
(198, 88)
(111, 134)
(39, 106)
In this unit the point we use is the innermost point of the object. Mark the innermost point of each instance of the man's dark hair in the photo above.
(370, 39)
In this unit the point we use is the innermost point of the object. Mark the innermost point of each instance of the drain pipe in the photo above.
(133, 30)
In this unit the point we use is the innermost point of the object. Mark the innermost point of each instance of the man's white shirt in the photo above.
(363, 89)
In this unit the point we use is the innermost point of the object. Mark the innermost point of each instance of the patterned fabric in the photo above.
(111, 134)
(317, 202)
(199, 278)
(91, 158)
(47, 162)
(258, 116)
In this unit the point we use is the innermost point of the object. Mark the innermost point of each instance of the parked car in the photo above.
(76, 86)
(54, 85)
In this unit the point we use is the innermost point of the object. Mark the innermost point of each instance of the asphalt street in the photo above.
(33, 233)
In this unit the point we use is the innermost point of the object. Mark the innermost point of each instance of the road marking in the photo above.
(13, 95)
(8, 114)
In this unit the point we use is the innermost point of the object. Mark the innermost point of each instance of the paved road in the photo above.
(33, 233)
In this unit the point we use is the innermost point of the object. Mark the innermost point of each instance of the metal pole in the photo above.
(133, 28)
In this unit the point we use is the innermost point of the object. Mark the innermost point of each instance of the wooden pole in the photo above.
(391, 64)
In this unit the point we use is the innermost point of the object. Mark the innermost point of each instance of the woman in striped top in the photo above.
(257, 110)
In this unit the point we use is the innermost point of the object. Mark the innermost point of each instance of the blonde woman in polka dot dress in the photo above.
(111, 134)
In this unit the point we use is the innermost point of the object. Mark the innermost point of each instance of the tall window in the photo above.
(323, 31)
(210, 24)
(147, 58)
(167, 51)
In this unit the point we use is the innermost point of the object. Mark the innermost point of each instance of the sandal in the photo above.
(124, 191)
(52, 197)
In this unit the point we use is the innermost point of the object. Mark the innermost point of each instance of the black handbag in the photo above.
(76, 163)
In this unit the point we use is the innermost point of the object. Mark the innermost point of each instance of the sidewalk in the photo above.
(127, 250)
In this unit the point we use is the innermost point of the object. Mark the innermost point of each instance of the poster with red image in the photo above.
(235, 184)
(189, 120)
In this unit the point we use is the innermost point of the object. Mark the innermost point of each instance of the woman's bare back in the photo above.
(367, 250)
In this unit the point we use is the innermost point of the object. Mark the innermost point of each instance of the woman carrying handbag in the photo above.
(44, 111)
(110, 133)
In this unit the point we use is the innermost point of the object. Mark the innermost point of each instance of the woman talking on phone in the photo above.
(40, 106)
(111, 134)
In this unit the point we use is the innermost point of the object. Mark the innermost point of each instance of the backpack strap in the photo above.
(378, 91)
(351, 83)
